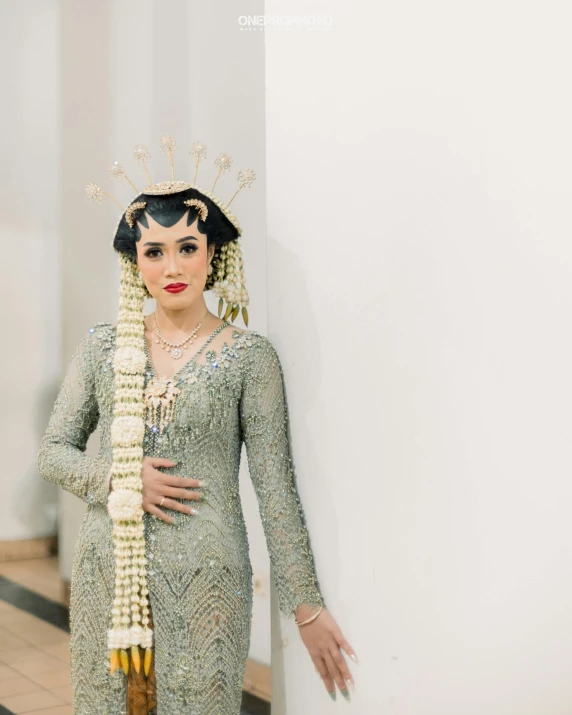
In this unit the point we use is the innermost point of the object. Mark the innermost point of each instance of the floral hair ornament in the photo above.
(130, 620)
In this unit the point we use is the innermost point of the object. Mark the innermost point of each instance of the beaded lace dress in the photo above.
(199, 570)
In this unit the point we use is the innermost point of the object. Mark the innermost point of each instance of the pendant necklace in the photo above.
(175, 348)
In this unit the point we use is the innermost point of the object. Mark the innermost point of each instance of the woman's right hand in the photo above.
(157, 485)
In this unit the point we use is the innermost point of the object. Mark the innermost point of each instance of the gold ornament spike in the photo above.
(95, 193)
(245, 179)
(245, 315)
(118, 173)
(223, 162)
(147, 661)
(141, 153)
(220, 304)
(234, 313)
(228, 311)
(113, 660)
(167, 146)
(136, 658)
(124, 660)
(199, 151)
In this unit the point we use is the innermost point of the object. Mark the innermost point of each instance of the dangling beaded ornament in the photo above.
(160, 397)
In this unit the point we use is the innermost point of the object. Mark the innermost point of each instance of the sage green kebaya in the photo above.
(199, 571)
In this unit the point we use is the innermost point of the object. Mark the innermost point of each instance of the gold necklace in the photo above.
(175, 348)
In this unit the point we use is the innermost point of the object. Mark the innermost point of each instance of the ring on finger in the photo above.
(162, 500)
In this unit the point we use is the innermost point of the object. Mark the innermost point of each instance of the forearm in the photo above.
(85, 476)
(264, 422)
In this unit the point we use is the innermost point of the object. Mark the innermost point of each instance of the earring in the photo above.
(210, 269)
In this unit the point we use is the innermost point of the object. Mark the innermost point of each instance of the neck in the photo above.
(172, 322)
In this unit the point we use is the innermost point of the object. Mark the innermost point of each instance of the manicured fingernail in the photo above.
(193, 510)
(351, 683)
(332, 694)
(353, 656)
(345, 693)
(202, 483)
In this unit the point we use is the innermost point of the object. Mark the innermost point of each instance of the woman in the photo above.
(162, 557)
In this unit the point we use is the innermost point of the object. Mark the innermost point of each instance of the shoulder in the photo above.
(100, 329)
(101, 339)
(243, 339)
(257, 353)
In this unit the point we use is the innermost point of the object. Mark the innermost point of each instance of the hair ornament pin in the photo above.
(131, 209)
(95, 193)
(141, 153)
(223, 162)
(118, 173)
(167, 145)
(199, 151)
(245, 179)
(203, 208)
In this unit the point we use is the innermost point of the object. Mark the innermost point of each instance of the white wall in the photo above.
(419, 290)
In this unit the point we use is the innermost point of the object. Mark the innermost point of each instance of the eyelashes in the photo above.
(150, 253)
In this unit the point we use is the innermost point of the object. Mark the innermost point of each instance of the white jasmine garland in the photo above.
(125, 505)
(130, 603)
(229, 281)
(129, 360)
(126, 430)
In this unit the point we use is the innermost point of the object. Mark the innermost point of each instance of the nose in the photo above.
(172, 269)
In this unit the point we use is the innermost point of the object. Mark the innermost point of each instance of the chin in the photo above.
(182, 300)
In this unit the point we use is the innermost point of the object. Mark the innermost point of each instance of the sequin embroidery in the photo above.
(200, 576)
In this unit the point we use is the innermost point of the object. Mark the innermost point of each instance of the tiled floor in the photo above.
(34, 664)
(34, 639)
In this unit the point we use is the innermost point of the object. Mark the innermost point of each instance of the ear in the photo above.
(211, 251)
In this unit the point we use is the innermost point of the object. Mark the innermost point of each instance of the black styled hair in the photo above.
(169, 209)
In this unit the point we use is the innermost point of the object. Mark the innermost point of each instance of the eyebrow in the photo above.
(179, 240)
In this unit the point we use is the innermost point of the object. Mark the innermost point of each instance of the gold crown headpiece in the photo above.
(227, 280)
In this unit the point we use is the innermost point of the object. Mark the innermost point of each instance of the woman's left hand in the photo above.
(323, 639)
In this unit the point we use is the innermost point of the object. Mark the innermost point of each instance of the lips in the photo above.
(175, 287)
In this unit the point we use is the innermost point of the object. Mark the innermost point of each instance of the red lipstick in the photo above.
(175, 287)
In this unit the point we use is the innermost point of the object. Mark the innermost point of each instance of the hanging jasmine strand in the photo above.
(130, 612)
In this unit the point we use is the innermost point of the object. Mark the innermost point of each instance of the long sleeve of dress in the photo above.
(61, 457)
(264, 426)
